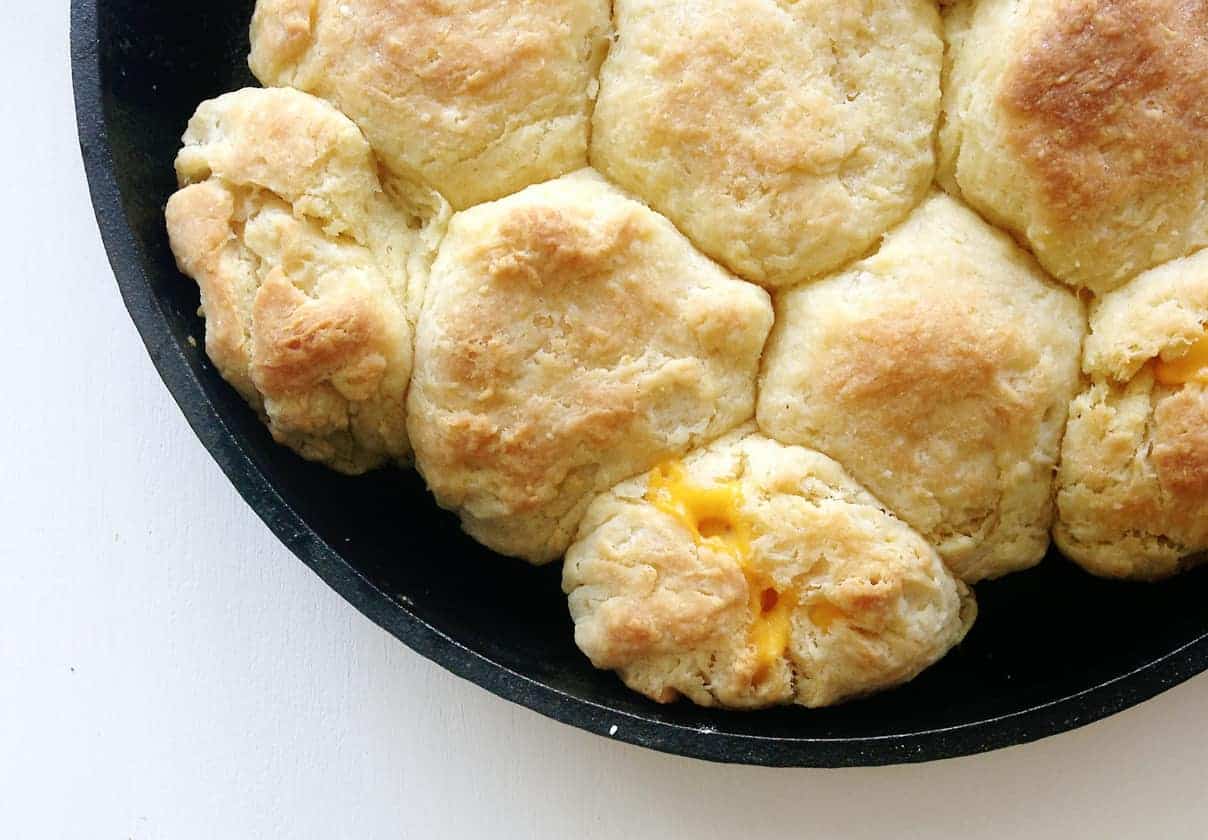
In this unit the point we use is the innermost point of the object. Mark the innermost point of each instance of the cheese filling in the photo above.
(715, 518)
(1192, 367)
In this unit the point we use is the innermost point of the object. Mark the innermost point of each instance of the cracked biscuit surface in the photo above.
(938, 372)
(307, 271)
(1082, 126)
(1133, 486)
(571, 338)
(753, 574)
(475, 98)
(782, 138)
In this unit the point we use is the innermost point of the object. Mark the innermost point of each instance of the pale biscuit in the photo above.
(571, 338)
(305, 269)
(1082, 126)
(938, 372)
(782, 138)
(1133, 484)
(754, 574)
(476, 98)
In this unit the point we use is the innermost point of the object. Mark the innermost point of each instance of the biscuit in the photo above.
(305, 269)
(1082, 127)
(938, 373)
(475, 98)
(1133, 485)
(571, 338)
(752, 574)
(782, 138)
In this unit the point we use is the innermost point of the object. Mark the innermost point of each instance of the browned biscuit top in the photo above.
(1111, 98)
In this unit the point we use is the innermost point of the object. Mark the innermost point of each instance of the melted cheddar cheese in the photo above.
(712, 514)
(1192, 367)
(715, 518)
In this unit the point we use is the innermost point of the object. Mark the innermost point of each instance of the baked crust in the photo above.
(872, 604)
(1133, 484)
(306, 271)
(782, 138)
(558, 336)
(570, 339)
(938, 372)
(475, 98)
(1082, 126)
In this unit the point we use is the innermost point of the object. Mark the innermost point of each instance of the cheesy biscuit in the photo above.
(752, 574)
(1133, 485)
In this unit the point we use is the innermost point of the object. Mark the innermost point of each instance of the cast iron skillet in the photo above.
(1052, 650)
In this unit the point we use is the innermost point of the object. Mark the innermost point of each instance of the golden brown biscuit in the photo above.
(476, 98)
(1082, 126)
(571, 338)
(305, 269)
(1133, 485)
(938, 372)
(753, 574)
(783, 138)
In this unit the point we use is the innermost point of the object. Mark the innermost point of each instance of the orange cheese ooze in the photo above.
(1191, 367)
(772, 625)
(714, 516)
(711, 514)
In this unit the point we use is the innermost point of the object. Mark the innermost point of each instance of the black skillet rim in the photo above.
(1070, 712)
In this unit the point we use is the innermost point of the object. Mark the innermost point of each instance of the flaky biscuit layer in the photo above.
(1082, 127)
(783, 138)
(474, 98)
(1133, 486)
(571, 338)
(307, 271)
(938, 372)
(861, 601)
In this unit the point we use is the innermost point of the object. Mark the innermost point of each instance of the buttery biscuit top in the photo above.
(783, 138)
(570, 339)
(938, 372)
(1082, 126)
(304, 266)
(782, 322)
(475, 98)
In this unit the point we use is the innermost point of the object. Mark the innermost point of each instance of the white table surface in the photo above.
(168, 670)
